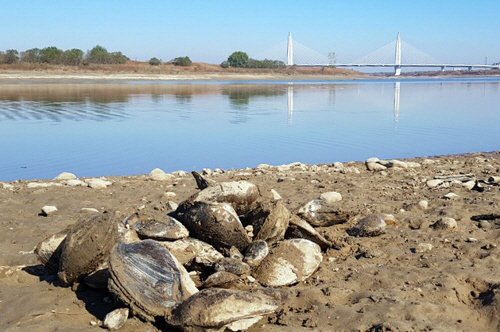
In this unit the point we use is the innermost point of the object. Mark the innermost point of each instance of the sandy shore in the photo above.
(412, 278)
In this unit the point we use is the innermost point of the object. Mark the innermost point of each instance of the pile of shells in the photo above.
(213, 263)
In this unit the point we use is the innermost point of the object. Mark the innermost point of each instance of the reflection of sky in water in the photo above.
(131, 129)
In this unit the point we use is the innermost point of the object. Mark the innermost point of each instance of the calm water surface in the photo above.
(133, 127)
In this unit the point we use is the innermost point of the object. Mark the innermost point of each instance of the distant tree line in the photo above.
(240, 59)
(54, 55)
(184, 61)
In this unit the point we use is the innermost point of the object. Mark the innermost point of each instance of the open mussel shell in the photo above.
(87, 245)
(148, 278)
(157, 226)
(269, 221)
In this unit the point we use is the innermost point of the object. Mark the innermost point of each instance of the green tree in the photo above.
(238, 59)
(31, 55)
(117, 58)
(224, 64)
(182, 61)
(50, 55)
(73, 57)
(154, 62)
(11, 56)
(98, 55)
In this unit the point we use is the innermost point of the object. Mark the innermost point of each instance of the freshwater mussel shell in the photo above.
(146, 277)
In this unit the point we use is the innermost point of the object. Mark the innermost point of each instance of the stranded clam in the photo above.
(240, 194)
(189, 251)
(87, 245)
(269, 221)
(371, 225)
(157, 227)
(215, 223)
(256, 252)
(289, 262)
(49, 251)
(148, 278)
(319, 213)
(299, 228)
(220, 309)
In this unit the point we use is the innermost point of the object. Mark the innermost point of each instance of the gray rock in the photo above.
(434, 183)
(330, 197)
(116, 319)
(269, 221)
(159, 175)
(291, 261)
(148, 278)
(76, 183)
(375, 167)
(256, 252)
(423, 204)
(65, 176)
(445, 223)
(301, 229)
(371, 225)
(275, 196)
(48, 209)
(98, 183)
(215, 223)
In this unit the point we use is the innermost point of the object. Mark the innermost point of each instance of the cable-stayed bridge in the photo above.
(397, 54)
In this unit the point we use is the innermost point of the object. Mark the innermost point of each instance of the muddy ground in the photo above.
(384, 283)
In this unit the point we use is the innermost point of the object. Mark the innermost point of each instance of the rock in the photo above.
(291, 261)
(423, 247)
(203, 182)
(148, 278)
(90, 210)
(221, 279)
(157, 226)
(428, 162)
(371, 225)
(269, 221)
(76, 183)
(256, 252)
(445, 223)
(32, 185)
(218, 309)
(423, 204)
(49, 250)
(116, 319)
(159, 175)
(299, 228)
(48, 209)
(275, 196)
(375, 167)
(412, 164)
(494, 179)
(240, 194)
(7, 186)
(232, 265)
(320, 214)
(330, 197)
(398, 163)
(87, 246)
(98, 183)
(189, 250)
(215, 223)
(65, 176)
(372, 160)
(469, 184)
(434, 183)
(169, 194)
(450, 196)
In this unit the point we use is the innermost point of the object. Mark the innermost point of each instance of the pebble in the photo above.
(92, 210)
(275, 195)
(169, 194)
(469, 184)
(75, 183)
(43, 184)
(48, 209)
(375, 167)
(428, 162)
(434, 183)
(372, 225)
(159, 175)
(330, 197)
(116, 319)
(451, 196)
(423, 204)
(65, 176)
(423, 247)
(445, 223)
(98, 183)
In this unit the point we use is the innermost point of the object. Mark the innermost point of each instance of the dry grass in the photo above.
(169, 69)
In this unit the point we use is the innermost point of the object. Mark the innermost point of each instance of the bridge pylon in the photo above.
(289, 50)
(397, 67)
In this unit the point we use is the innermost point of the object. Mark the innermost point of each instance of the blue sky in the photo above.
(208, 31)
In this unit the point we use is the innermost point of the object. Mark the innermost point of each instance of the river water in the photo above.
(125, 128)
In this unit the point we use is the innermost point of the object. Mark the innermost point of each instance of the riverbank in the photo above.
(417, 276)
